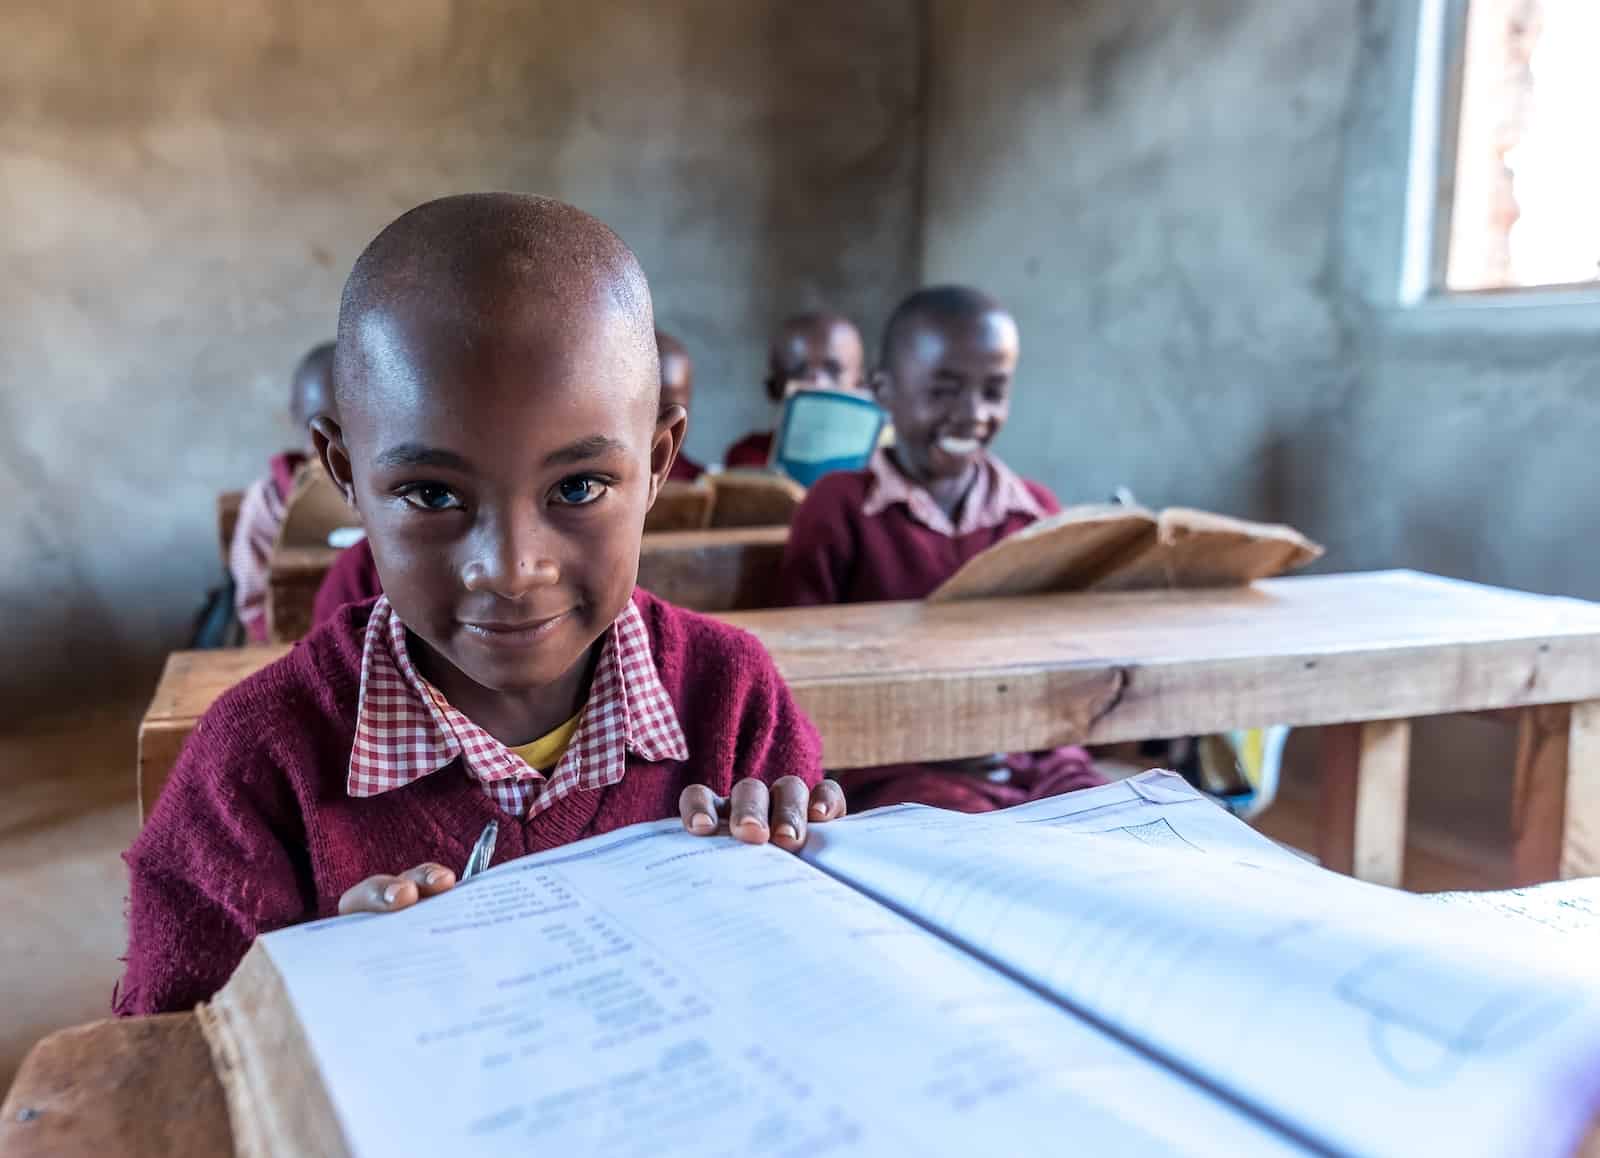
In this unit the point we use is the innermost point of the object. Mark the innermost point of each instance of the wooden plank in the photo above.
(141, 1087)
(1538, 793)
(1361, 818)
(714, 571)
(228, 504)
(1580, 845)
(293, 577)
(891, 682)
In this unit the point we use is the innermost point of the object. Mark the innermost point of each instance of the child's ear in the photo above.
(328, 438)
(670, 429)
(881, 385)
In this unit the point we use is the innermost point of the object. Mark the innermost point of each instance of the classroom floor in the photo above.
(67, 811)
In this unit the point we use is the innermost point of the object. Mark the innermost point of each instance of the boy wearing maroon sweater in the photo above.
(677, 389)
(900, 528)
(500, 432)
(821, 350)
(264, 505)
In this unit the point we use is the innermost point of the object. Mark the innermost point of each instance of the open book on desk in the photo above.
(1125, 548)
(1126, 970)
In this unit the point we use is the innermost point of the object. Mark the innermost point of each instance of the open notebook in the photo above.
(1126, 970)
(1125, 548)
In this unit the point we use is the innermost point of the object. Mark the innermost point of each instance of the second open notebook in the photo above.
(1126, 970)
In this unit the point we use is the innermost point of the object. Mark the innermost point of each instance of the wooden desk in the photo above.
(718, 570)
(145, 1087)
(1357, 654)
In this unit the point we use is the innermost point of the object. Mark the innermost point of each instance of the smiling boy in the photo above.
(500, 432)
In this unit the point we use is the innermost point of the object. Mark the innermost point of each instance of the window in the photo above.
(1517, 153)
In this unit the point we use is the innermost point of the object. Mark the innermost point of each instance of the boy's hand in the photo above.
(389, 894)
(756, 815)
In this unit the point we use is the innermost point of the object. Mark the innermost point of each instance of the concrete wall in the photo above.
(1196, 208)
(185, 184)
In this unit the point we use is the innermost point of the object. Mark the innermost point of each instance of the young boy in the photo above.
(500, 432)
(817, 349)
(677, 389)
(262, 509)
(923, 508)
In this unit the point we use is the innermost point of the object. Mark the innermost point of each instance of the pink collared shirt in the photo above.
(997, 493)
(406, 729)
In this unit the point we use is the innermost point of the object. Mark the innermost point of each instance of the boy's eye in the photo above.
(579, 490)
(431, 497)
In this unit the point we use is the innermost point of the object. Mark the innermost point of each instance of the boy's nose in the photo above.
(511, 560)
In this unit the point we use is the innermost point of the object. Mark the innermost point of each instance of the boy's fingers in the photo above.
(698, 806)
(431, 879)
(747, 819)
(827, 801)
(384, 893)
(789, 796)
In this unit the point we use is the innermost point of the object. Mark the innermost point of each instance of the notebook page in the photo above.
(1378, 1022)
(652, 993)
(1161, 810)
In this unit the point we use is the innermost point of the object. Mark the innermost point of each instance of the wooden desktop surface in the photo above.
(894, 682)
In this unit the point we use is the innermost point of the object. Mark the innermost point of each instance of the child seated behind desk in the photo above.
(499, 430)
(353, 578)
(262, 509)
(677, 389)
(923, 508)
(821, 350)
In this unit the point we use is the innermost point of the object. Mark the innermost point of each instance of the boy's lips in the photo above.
(513, 633)
(958, 447)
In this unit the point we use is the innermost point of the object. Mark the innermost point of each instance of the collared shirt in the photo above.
(997, 493)
(406, 729)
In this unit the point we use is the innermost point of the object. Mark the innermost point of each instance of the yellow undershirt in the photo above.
(545, 753)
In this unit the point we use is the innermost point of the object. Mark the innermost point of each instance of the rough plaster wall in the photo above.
(1194, 207)
(184, 185)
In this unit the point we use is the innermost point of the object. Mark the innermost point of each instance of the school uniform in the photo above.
(751, 452)
(261, 513)
(869, 535)
(684, 469)
(340, 761)
(353, 578)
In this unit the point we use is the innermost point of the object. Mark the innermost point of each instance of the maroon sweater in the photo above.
(255, 831)
(837, 554)
(685, 469)
(753, 450)
(353, 578)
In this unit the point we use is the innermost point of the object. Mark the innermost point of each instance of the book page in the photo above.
(652, 993)
(1375, 1021)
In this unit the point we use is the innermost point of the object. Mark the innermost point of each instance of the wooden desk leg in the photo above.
(1580, 838)
(1361, 824)
(1539, 793)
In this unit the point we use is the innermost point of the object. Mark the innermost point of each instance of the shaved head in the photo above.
(677, 371)
(940, 306)
(818, 348)
(470, 266)
(311, 388)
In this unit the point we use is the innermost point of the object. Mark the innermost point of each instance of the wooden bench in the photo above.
(718, 570)
(228, 503)
(146, 1087)
(1359, 655)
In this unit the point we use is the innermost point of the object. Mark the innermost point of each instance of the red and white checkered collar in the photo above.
(406, 729)
(996, 495)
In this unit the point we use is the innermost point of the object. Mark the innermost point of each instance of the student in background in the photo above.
(900, 528)
(500, 431)
(820, 350)
(262, 509)
(677, 389)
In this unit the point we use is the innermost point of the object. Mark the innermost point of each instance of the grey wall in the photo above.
(185, 183)
(1195, 208)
